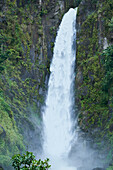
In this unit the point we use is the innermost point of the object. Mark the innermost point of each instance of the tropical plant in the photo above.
(28, 162)
(108, 66)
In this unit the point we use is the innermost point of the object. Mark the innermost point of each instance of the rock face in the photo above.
(94, 90)
(27, 38)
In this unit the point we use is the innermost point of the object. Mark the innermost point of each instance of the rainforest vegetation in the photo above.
(28, 30)
(95, 72)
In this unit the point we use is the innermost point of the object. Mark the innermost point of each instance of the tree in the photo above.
(28, 162)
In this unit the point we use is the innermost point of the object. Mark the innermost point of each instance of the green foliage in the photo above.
(111, 24)
(28, 162)
(21, 77)
(13, 140)
(43, 12)
(110, 168)
(108, 66)
(95, 66)
(23, 67)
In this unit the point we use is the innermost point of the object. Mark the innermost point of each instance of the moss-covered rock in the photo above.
(94, 20)
(28, 30)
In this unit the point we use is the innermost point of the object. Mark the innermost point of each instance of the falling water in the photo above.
(57, 116)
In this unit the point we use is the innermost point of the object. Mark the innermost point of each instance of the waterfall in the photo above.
(57, 116)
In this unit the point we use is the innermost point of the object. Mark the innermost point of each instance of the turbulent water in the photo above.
(57, 116)
(66, 150)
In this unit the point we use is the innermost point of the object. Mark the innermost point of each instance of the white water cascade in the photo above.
(57, 116)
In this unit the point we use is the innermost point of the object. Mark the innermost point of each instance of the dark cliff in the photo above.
(94, 79)
(28, 30)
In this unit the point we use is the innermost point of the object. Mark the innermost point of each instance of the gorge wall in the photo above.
(94, 79)
(28, 30)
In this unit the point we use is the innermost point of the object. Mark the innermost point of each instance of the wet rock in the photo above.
(91, 76)
(2, 19)
(79, 77)
(2, 131)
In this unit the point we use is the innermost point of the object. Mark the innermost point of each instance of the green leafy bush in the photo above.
(111, 24)
(108, 66)
(110, 168)
(28, 162)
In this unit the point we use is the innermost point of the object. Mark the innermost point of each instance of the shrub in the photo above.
(28, 162)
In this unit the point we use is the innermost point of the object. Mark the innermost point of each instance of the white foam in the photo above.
(57, 116)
